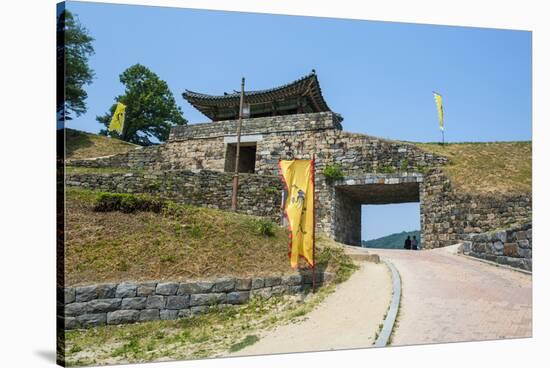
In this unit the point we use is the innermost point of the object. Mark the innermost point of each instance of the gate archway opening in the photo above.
(350, 195)
(391, 222)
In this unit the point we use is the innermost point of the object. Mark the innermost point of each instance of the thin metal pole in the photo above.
(314, 224)
(236, 175)
(442, 136)
(123, 128)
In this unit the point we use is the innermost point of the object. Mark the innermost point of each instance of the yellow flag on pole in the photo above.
(439, 104)
(298, 176)
(117, 122)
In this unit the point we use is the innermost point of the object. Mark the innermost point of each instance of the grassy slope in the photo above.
(81, 145)
(204, 243)
(199, 243)
(482, 168)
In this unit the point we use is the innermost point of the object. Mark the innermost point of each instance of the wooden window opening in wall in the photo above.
(247, 157)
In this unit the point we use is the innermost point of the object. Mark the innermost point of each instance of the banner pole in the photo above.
(314, 224)
(237, 151)
(123, 125)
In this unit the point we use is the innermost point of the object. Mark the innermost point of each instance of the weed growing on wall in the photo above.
(333, 172)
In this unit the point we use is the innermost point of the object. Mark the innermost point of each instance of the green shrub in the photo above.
(174, 210)
(127, 203)
(196, 231)
(333, 172)
(271, 190)
(404, 165)
(422, 169)
(386, 169)
(75, 349)
(153, 186)
(168, 258)
(265, 227)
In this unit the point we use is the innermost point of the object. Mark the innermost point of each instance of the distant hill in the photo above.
(393, 241)
(81, 145)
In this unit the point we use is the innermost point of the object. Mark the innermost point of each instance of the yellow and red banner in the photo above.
(439, 104)
(299, 208)
(117, 122)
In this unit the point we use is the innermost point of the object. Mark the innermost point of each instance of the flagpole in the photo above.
(123, 124)
(439, 104)
(314, 224)
(237, 153)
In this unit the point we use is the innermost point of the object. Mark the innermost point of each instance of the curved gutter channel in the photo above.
(389, 322)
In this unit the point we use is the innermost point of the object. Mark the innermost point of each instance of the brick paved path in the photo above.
(449, 298)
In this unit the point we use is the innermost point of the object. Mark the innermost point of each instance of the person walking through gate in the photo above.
(414, 243)
(408, 242)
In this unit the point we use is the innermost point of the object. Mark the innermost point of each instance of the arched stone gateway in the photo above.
(352, 192)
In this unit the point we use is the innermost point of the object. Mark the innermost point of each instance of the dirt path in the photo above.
(450, 298)
(347, 318)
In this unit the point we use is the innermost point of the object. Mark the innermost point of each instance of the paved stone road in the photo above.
(450, 298)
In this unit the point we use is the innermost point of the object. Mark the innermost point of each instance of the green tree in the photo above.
(74, 47)
(151, 109)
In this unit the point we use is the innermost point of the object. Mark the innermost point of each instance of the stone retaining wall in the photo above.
(512, 247)
(129, 302)
(258, 194)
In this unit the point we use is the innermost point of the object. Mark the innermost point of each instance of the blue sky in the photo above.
(378, 75)
(383, 219)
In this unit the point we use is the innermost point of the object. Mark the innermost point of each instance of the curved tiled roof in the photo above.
(307, 88)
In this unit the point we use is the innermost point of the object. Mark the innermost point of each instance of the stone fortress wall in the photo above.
(203, 146)
(258, 195)
(449, 215)
(396, 171)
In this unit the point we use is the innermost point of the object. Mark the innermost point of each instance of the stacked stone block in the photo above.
(512, 247)
(130, 302)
